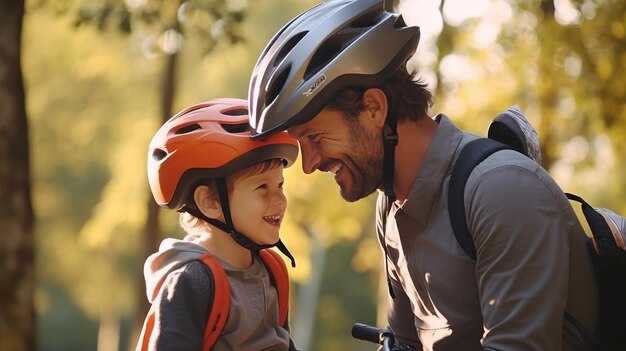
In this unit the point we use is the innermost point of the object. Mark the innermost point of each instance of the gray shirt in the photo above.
(531, 267)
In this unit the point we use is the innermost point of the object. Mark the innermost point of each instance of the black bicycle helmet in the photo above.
(330, 47)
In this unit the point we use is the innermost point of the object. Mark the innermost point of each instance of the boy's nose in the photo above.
(280, 200)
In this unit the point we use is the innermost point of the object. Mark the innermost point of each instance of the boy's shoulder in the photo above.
(191, 275)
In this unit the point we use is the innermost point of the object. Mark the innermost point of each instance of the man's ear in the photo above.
(207, 201)
(376, 106)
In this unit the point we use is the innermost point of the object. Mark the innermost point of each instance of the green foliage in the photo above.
(83, 123)
(564, 66)
(215, 21)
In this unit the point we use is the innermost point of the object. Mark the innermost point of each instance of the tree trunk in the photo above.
(152, 231)
(109, 331)
(548, 96)
(309, 293)
(17, 313)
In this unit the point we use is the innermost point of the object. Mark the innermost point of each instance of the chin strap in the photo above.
(282, 248)
(390, 141)
(229, 227)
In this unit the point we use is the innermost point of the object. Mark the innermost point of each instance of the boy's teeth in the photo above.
(272, 218)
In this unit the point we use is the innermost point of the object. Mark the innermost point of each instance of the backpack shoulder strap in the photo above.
(218, 308)
(605, 236)
(471, 155)
(146, 331)
(280, 278)
(221, 301)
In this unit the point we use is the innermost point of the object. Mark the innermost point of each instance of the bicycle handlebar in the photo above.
(375, 335)
(379, 336)
(366, 333)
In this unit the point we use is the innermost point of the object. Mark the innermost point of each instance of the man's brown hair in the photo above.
(405, 94)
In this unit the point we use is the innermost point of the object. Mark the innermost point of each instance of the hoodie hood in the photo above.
(172, 254)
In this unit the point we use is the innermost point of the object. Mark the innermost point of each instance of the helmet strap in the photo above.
(282, 248)
(229, 226)
(390, 141)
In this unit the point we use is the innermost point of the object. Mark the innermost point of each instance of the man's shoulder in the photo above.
(509, 175)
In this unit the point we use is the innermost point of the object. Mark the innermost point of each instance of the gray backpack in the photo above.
(511, 130)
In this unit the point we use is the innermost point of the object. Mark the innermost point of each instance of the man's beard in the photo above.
(367, 162)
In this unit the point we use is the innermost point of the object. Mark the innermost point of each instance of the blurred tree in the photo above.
(161, 27)
(17, 313)
(549, 59)
(216, 21)
(562, 62)
(90, 115)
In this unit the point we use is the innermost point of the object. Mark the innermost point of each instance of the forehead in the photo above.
(271, 175)
(257, 170)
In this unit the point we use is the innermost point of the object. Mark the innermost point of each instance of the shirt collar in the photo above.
(434, 169)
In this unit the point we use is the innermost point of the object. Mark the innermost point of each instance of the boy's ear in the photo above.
(207, 201)
(376, 106)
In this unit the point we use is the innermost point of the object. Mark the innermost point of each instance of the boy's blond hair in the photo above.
(194, 225)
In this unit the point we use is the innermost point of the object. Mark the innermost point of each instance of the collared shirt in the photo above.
(532, 264)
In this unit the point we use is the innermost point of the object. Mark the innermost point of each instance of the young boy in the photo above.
(229, 191)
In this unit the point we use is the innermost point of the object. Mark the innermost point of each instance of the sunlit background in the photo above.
(102, 75)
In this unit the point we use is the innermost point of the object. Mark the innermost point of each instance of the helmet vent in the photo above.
(188, 129)
(236, 128)
(277, 85)
(368, 19)
(288, 46)
(158, 154)
(330, 49)
(236, 112)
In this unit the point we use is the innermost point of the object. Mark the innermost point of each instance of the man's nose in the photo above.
(311, 158)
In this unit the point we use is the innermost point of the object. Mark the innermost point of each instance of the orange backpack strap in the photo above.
(146, 331)
(218, 313)
(278, 271)
(221, 301)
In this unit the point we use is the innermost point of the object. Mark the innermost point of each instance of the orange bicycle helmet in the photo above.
(206, 141)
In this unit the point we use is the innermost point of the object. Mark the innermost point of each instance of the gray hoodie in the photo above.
(178, 286)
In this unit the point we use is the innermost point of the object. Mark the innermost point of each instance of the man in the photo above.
(335, 77)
